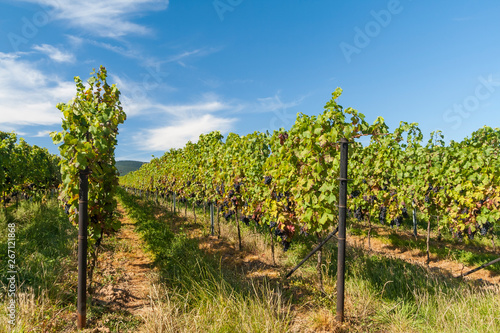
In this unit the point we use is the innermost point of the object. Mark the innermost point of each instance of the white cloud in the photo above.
(275, 103)
(29, 96)
(180, 132)
(110, 18)
(183, 121)
(54, 53)
(129, 51)
(135, 98)
(195, 108)
(75, 41)
(42, 134)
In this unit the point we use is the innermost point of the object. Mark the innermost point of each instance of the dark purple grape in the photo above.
(404, 212)
(382, 214)
(246, 220)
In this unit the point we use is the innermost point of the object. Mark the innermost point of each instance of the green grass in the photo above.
(45, 257)
(383, 294)
(194, 293)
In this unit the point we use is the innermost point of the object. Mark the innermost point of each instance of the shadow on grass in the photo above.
(393, 278)
(181, 264)
(472, 253)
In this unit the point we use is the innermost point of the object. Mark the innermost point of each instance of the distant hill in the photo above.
(125, 167)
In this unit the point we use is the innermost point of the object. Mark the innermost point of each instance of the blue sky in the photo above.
(190, 67)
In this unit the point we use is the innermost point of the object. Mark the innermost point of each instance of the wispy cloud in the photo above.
(131, 51)
(28, 95)
(275, 103)
(75, 41)
(181, 131)
(126, 51)
(110, 18)
(133, 108)
(206, 105)
(181, 57)
(54, 53)
(42, 134)
(136, 100)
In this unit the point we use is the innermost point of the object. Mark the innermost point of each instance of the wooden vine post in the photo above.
(211, 218)
(82, 248)
(415, 223)
(342, 229)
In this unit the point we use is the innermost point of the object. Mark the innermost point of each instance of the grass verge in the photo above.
(46, 268)
(194, 292)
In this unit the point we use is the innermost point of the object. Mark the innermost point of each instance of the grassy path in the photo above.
(204, 284)
(122, 281)
(198, 284)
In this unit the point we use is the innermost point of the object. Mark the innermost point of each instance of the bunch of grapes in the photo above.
(279, 233)
(457, 234)
(484, 228)
(228, 214)
(355, 194)
(382, 214)
(220, 190)
(370, 199)
(404, 212)
(284, 238)
(397, 221)
(267, 180)
(283, 137)
(358, 214)
(66, 208)
(246, 219)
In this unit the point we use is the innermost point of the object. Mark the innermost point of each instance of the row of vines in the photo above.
(25, 170)
(288, 180)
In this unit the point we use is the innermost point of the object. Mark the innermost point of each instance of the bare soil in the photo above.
(123, 275)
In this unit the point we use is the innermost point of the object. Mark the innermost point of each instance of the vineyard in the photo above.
(26, 172)
(199, 227)
(288, 180)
